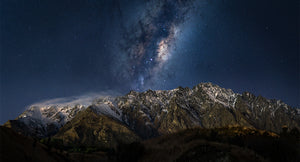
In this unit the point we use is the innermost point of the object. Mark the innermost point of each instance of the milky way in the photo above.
(147, 44)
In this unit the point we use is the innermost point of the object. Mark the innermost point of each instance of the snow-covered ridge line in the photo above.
(59, 111)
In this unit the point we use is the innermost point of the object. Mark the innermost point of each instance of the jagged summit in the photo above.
(156, 112)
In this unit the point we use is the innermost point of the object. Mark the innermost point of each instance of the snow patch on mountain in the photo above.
(220, 95)
(107, 106)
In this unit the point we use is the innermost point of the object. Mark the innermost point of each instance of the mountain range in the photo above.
(110, 121)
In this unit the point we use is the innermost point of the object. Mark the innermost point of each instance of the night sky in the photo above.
(60, 48)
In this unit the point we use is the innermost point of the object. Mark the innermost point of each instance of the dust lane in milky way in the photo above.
(147, 45)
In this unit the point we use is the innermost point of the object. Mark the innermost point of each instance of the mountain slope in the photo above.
(89, 128)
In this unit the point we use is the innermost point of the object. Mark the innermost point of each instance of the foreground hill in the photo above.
(221, 144)
(16, 147)
(197, 144)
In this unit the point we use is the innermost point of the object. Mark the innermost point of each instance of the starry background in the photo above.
(60, 48)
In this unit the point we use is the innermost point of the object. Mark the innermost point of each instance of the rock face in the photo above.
(154, 113)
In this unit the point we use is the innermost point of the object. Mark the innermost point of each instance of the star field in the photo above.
(54, 49)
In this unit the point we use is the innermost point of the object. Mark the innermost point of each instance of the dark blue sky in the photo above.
(61, 48)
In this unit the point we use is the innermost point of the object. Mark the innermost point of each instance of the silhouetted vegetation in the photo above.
(220, 144)
(230, 143)
(130, 152)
